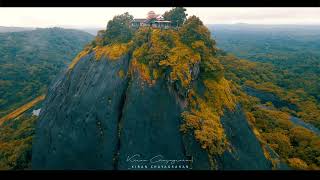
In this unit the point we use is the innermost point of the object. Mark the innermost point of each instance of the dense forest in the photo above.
(29, 60)
(289, 62)
(277, 70)
(270, 110)
(16, 142)
(291, 48)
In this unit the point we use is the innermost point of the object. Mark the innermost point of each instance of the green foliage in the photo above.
(279, 142)
(30, 60)
(193, 30)
(197, 36)
(297, 163)
(16, 143)
(141, 53)
(152, 46)
(290, 141)
(205, 123)
(204, 112)
(181, 60)
(176, 15)
(219, 95)
(112, 51)
(266, 77)
(296, 146)
(293, 50)
(118, 29)
(212, 68)
(141, 36)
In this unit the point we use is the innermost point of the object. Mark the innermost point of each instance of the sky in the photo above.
(99, 17)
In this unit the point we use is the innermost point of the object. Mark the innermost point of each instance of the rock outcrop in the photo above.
(78, 126)
(157, 100)
(94, 119)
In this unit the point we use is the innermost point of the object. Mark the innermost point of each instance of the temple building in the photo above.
(153, 20)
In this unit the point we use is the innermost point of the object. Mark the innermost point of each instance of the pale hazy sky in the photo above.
(98, 17)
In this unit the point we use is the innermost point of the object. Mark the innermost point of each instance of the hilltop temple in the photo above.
(153, 20)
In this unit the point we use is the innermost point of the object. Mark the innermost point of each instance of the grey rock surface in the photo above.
(150, 126)
(94, 119)
(269, 97)
(246, 153)
(77, 128)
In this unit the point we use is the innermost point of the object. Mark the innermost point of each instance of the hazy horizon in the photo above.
(94, 27)
(99, 17)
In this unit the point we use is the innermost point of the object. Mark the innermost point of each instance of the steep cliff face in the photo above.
(246, 153)
(150, 125)
(78, 125)
(94, 119)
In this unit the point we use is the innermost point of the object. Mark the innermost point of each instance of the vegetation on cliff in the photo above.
(204, 115)
(112, 52)
(80, 55)
(184, 58)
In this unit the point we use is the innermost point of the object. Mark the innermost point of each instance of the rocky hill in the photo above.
(157, 99)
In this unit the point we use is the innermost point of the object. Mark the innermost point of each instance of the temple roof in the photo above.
(139, 20)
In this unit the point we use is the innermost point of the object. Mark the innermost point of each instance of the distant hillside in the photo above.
(14, 29)
(29, 60)
(92, 30)
(286, 43)
(22, 109)
(293, 48)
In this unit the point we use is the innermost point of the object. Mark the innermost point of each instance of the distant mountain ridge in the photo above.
(4, 29)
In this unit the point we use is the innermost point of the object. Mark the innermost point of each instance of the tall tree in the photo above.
(118, 29)
(194, 30)
(177, 15)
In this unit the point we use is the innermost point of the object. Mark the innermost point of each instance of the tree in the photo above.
(176, 15)
(211, 69)
(193, 30)
(118, 29)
